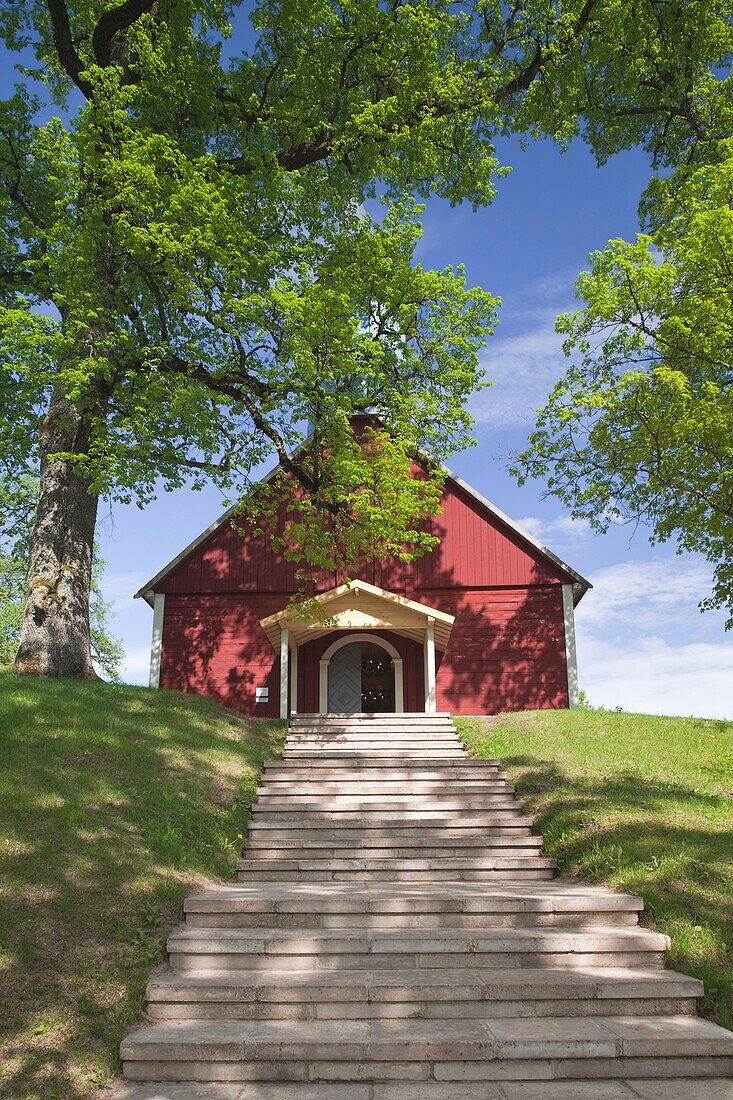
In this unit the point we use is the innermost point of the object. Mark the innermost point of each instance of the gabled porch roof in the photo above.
(360, 606)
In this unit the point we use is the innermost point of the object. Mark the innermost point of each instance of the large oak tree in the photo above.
(193, 215)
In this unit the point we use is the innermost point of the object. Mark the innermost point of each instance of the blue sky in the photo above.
(642, 643)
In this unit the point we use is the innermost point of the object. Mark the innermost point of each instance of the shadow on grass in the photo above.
(113, 801)
(665, 841)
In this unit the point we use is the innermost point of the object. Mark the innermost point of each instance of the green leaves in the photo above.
(186, 256)
(365, 501)
(641, 427)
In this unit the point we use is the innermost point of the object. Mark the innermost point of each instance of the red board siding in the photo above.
(506, 652)
(475, 549)
(215, 646)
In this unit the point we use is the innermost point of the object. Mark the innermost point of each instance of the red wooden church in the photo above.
(483, 623)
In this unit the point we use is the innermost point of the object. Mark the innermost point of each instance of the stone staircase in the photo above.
(397, 934)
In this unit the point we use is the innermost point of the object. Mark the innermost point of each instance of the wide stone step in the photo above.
(375, 994)
(263, 849)
(413, 752)
(269, 832)
(395, 840)
(556, 897)
(373, 733)
(279, 907)
(339, 745)
(376, 730)
(442, 813)
(263, 948)
(373, 784)
(394, 922)
(385, 818)
(363, 761)
(469, 861)
(682, 1088)
(363, 737)
(290, 773)
(363, 877)
(374, 737)
(416, 753)
(393, 737)
(378, 766)
(342, 788)
(438, 801)
(446, 1051)
(331, 751)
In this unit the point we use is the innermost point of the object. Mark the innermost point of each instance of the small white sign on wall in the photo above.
(262, 695)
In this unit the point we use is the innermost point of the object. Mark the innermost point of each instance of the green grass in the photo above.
(114, 803)
(643, 804)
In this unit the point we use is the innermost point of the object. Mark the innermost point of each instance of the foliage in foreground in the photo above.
(641, 426)
(114, 802)
(641, 803)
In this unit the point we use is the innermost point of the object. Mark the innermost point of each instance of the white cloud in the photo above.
(119, 588)
(644, 595)
(522, 369)
(650, 676)
(525, 365)
(136, 665)
(562, 528)
(644, 646)
(555, 288)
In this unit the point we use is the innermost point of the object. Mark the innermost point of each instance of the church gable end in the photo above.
(476, 549)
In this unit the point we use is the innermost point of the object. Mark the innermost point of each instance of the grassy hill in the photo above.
(641, 803)
(114, 802)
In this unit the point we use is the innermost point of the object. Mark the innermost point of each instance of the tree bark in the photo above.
(55, 638)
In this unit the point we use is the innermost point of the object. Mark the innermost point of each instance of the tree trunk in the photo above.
(54, 638)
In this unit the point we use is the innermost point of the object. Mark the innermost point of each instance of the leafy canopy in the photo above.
(184, 249)
(641, 426)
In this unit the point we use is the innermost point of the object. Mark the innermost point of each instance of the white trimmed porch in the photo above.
(361, 608)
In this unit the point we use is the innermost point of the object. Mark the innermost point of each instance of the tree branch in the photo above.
(301, 156)
(64, 43)
(246, 389)
(112, 22)
(16, 279)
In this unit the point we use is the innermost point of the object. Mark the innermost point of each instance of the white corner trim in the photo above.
(399, 685)
(156, 645)
(323, 686)
(571, 654)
